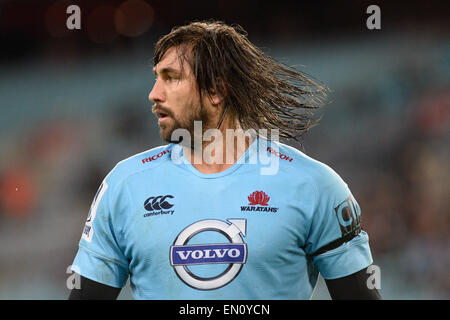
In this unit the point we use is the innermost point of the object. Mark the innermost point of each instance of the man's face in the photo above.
(175, 94)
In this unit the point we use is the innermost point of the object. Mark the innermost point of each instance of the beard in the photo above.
(183, 123)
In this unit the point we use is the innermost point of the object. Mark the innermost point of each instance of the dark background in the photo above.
(75, 102)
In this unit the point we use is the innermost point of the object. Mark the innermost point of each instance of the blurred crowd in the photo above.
(395, 161)
(387, 134)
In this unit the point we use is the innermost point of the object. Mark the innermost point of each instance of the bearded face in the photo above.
(175, 94)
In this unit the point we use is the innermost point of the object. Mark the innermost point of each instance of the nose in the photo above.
(157, 93)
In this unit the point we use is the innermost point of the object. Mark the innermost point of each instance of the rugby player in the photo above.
(199, 218)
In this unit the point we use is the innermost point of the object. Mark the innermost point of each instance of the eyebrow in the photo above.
(166, 70)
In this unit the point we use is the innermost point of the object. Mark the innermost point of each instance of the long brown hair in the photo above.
(259, 91)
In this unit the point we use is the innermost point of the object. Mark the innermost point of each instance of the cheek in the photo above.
(186, 104)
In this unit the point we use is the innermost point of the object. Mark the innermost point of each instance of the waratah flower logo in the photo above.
(258, 197)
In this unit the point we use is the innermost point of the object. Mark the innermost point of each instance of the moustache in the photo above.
(156, 108)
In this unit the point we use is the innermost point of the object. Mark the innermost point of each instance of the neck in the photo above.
(218, 149)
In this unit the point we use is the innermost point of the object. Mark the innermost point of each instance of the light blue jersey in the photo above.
(238, 234)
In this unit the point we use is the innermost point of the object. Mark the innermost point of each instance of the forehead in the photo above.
(174, 59)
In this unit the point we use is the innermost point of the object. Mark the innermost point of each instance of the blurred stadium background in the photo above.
(74, 103)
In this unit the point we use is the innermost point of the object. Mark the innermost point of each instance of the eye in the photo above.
(171, 77)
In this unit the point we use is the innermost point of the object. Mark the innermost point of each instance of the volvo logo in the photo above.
(234, 253)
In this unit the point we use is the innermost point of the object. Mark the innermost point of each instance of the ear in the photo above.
(217, 96)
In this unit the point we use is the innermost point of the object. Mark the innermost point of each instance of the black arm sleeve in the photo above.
(352, 287)
(92, 290)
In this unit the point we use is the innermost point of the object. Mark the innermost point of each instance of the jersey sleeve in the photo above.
(336, 243)
(99, 255)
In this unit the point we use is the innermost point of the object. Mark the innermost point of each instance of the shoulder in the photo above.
(296, 163)
(137, 163)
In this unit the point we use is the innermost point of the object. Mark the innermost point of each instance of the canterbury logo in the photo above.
(158, 203)
(258, 197)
